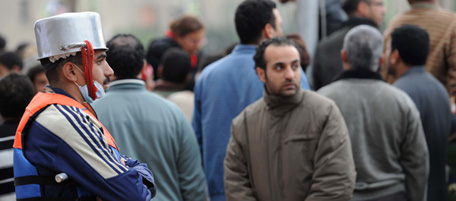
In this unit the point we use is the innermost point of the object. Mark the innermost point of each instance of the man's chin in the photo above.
(289, 92)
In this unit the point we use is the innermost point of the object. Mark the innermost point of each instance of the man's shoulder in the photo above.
(251, 111)
(335, 38)
(228, 63)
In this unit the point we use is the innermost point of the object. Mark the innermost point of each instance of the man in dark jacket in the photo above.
(406, 56)
(327, 61)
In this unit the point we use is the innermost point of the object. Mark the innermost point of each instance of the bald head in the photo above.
(363, 46)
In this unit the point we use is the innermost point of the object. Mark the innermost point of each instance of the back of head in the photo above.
(125, 56)
(176, 65)
(16, 91)
(185, 25)
(10, 60)
(350, 6)
(412, 42)
(251, 17)
(363, 45)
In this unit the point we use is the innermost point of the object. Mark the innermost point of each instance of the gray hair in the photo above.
(364, 46)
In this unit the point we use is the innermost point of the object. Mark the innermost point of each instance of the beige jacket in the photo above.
(287, 149)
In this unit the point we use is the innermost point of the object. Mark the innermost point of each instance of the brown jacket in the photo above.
(286, 149)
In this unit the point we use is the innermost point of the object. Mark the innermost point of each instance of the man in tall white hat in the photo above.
(61, 150)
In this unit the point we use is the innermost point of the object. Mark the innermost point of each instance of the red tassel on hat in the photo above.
(87, 60)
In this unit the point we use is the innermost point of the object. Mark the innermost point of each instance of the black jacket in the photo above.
(328, 61)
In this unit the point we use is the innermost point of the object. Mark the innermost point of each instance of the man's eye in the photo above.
(278, 67)
(295, 67)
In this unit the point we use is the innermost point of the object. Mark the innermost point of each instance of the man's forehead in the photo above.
(281, 52)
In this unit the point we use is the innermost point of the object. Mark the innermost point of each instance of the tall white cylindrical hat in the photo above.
(63, 35)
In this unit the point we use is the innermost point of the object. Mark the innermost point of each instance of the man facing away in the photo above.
(441, 27)
(291, 144)
(328, 62)
(406, 56)
(230, 84)
(389, 148)
(148, 127)
(16, 91)
(61, 150)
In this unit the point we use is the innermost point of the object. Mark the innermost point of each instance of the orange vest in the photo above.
(42, 100)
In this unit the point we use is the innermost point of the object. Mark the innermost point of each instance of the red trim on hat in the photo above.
(87, 60)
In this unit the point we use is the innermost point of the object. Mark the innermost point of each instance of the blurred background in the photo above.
(149, 19)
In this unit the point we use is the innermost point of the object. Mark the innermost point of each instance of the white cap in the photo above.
(63, 35)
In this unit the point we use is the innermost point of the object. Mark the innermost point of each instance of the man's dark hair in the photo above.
(125, 56)
(53, 69)
(259, 59)
(251, 17)
(350, 6)
(2, 43)
(176, 65)
(11, 59)
(16, 91)
(34, 71)
(412, 42)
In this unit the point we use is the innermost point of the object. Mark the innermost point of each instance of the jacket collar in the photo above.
(355, 21)
(359, 74)
(279, 105)
(126, 84)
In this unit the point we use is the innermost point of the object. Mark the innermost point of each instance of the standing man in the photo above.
(291, 144)
(328, 62)
(16, 91)
(407, 54)
(441, 27)
(230, 84)
(59, 135)
(389, 148)
(149, 127)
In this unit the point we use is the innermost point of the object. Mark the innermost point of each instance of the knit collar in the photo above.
(126, 84)
(359, 74)
(279, 105)
(425, 5)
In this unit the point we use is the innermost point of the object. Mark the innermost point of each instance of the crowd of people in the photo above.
(166, 122)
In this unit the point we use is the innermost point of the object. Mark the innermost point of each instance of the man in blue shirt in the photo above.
(230, 84)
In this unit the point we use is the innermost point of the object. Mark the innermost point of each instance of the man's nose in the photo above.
(108, 71)
(289, 73)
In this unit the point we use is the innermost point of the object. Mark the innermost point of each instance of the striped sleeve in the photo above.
(84, 135)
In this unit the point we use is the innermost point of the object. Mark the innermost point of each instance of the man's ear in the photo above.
(160, 71)
(394, 57)
(261, 74)
(16, 69)
(343, 55)
(68, 72)
(268, 31)
(381, 60)
(362, 9)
